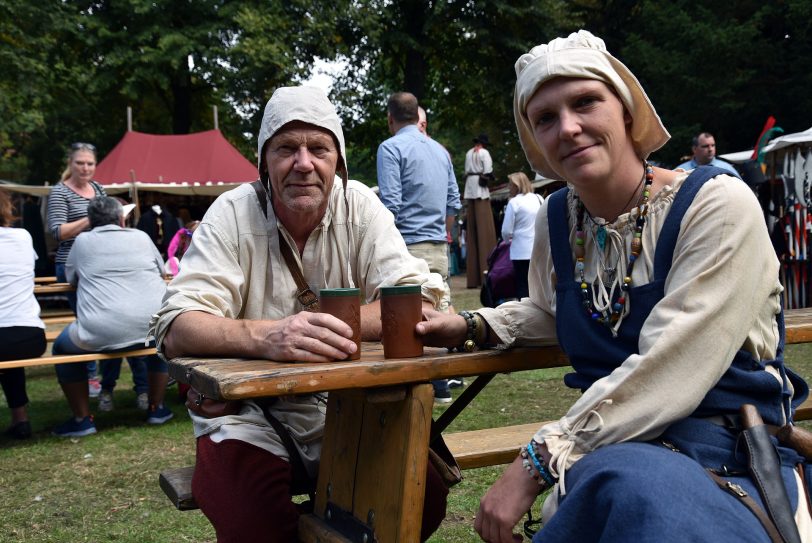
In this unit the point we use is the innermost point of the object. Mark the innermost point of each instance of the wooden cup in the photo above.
(344, 304)
(401, 310)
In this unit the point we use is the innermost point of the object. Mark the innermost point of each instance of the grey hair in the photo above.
(104, 210)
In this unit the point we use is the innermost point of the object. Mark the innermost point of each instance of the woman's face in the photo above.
(581, 127)
(83, 165)
(513, 189)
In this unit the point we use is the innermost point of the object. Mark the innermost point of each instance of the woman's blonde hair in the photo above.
(521, 181)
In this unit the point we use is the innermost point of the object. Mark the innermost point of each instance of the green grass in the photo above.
(105, 487)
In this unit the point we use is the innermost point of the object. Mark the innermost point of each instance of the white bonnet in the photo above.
(582, 55)
(306, 104)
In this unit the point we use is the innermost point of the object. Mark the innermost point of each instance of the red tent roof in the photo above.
(202, 157)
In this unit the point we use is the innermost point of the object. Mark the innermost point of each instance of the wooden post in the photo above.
(134, 192)
(377, 469)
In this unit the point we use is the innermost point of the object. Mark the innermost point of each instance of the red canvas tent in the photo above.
(202, 158)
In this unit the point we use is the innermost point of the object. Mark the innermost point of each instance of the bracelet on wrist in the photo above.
(480, 330)
(539, 463)
(527, 464)
(469, 344)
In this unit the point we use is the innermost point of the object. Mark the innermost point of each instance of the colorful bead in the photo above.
(610, 317)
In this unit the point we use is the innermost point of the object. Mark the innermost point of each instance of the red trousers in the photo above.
(244, 491)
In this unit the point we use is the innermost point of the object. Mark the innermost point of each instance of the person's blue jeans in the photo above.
(75, 372)
(61, 277)
(111, 369)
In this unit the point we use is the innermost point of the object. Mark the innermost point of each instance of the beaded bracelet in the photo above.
(539, 463)
(470, 343)
(528, 466)
(480, 332)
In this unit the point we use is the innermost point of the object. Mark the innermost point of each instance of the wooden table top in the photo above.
(239, 378)
(798, 324)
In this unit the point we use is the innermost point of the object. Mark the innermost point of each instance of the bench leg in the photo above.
(373, 464)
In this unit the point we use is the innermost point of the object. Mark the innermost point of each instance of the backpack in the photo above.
(499, 283)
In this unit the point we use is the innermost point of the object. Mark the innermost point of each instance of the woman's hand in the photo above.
(441, 329)
(505, 503)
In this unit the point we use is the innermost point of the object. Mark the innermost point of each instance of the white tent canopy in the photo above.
(789, 139)
(774, 145)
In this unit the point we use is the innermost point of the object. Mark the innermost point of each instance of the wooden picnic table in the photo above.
(379, 414)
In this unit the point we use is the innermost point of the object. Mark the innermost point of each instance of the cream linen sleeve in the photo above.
(530, 322)
(210, 279)
(723, 278)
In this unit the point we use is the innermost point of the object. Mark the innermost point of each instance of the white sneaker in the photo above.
(142, 401)
(105, 401)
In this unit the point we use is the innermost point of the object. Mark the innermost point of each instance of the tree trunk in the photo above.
(182, 100)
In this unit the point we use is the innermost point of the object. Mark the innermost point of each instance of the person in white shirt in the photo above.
(518, 227)
(22, 332)
(480, 230)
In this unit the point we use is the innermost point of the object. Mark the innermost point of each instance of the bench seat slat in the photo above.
(177, 485)
(68, 358)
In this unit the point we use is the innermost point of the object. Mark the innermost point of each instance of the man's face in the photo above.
(705, 150)
(301, 159)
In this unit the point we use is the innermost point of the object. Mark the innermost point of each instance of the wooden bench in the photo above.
(58, 319)
(68, 358)
(44, 280)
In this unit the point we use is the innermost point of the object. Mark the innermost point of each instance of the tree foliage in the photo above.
(71, 67)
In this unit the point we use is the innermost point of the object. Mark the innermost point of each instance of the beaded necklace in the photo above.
(613, 314)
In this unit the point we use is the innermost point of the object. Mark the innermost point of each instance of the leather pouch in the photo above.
(444, 462)
(208, 408)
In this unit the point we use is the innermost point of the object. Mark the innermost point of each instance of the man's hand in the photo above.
(309, 337)
(441, 329)
(510, 497)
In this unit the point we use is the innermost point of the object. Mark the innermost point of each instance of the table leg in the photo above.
(373, 466)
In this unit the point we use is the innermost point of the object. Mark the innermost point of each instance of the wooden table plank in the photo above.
(53, 288)
(239, 378)
(798, 324)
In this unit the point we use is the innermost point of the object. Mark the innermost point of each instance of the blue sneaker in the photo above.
(71, 428)
(158, 414)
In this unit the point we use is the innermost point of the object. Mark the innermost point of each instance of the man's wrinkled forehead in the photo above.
(300, 131)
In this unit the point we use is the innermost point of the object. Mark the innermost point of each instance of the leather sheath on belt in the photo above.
(765, 469)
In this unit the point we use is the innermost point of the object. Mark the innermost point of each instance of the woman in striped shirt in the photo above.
(67, 203)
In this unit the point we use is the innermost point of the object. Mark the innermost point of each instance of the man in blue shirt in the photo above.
(416, 183)
(703, 147)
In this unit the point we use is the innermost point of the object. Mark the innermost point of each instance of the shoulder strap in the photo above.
(306, 297)
(558, 226)
(301, 482)
(667, 240)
